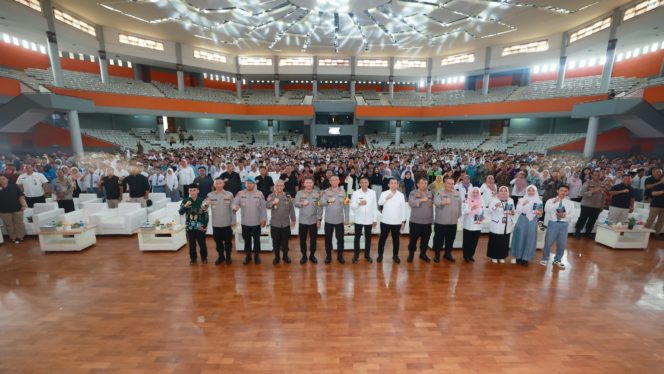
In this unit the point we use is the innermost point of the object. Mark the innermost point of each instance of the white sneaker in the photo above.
(494, 260)
(544, 262)
(502, 261)
(513, 261)
(559, 264)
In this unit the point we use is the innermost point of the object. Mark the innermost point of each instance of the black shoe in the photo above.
(228, 261)
(379, 259)
(341, 259)
(287, 259)
(436, 258)
(577, 236)
(524, 263)
(257, 260)
(659, 237)
(218, 261)
(424, 258)
(369, 259)
(449, 258)
(355, 258)
(466, 260)
(313, 259)
(247, 260)
(396, 259)
(303, 260)
(276, 261)
(204, 261)
(472, 259)
(192, 262)
(410, 257)
(328, 259)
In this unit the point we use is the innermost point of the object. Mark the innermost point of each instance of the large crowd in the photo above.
(513, 191)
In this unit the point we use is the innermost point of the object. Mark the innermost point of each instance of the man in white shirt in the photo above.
(157, 181)
(364, 206)
(186, 177)
(34, 186)
(88, 181)
(392, 219)
(559, 212)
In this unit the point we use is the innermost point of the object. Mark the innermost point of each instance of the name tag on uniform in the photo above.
(504, 220)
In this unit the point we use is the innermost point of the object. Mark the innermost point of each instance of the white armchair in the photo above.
(168, 213)
(86, 198)
(159, 201)
(124, 220)
(43, 214)
(75, 217)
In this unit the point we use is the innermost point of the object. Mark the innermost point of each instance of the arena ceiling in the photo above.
(417, 28)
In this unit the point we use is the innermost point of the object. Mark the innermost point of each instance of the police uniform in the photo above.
(283, 213)
(445, 223)
(222, 218)
(252, 206)
(308, 217)
(336, 212)
(421, 218)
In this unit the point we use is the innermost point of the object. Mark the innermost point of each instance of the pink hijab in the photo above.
(470, 201)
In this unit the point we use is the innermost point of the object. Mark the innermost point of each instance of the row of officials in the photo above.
(219, 209)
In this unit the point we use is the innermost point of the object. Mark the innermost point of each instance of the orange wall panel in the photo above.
(298, 86)
(644, 66)
(368, 87)
(78, 65)
(616, 140)
(45, 135)
(20, 58)
(227, 86)
(9, 87)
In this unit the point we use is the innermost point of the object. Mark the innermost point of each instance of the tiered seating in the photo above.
(407, 98)
(461, 141)
(295, 97)
(91, 82)
(541, 143)
(21, 76)
(261, 139)
(260, 97)
(380, 140)
(333, 95)
(457, 97)
(584, 86)
(122, 138)
(197, 93)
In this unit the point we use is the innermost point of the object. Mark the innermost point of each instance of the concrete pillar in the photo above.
(228, 130)
(439, 132)
(75, 132)
(506, 130)
(54, 59)
(352, 89)
(487, 71)
(397, 135)
(238, 86)
(312, 132)
(428, 88)
(314, 87)
(391, 89)
(180, 75)
(610, 51)
(103, 67)
(563, 61)
(276, 90)
(270, 132)
(137, 72)
(591, 137)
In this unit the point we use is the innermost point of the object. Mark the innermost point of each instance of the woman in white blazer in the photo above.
(473, 216)
(501, 211)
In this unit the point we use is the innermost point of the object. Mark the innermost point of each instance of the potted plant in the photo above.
(631, 222)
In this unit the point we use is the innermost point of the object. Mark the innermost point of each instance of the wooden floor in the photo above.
(112, 308)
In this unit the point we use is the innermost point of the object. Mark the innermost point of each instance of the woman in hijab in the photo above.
(473, 217)
(519, 185)
(489, 190)
(408, 183)
(501, 211)
(172, 189)
(575, 185)
(524, 241)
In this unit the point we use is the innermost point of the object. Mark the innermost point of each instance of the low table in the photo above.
(162, 239)
(622, 237)
(72, 240)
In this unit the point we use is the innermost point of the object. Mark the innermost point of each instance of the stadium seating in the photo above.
(197, 93)
(584, 86)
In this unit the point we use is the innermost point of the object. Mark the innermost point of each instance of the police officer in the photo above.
(421, 218)
(223, 220)
(333, 200)
(254, 216)
(310, 214)
(281, 221)
(448, 211)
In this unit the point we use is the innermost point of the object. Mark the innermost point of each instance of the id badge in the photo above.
(504, 220)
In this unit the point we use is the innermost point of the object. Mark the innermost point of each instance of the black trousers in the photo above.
(280, 236)
(31, 201)
(587, 217)
(470, 239)
(303, 232)
(367, 239)
(223, 237)
(185, 191)
(251, 234)
(338, 230)
(385, 230)
(197, 236)
(444, 235)
(67, 205)
(421, 231)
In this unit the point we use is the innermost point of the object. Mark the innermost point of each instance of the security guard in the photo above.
(281, 221)
(254, 216)
(421, 218)
(333, 200)
(448, 211)
(310, 214)
(223, 220)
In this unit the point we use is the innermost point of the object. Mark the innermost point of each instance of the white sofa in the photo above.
(86, 198)
(168, 213)
(124, 220)
(43, 214)
(75, 217)
(159, 201)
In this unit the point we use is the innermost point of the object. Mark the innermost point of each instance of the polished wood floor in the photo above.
(112, 308)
